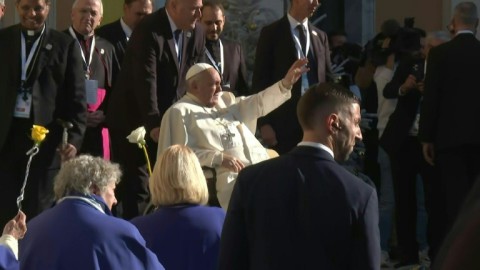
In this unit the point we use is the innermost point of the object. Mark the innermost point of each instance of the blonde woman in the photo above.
(183, 232)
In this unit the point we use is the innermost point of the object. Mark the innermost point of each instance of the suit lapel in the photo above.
(316, 49)
(314, 40)
(187, 35)
(290, 47)
(45, 48)
(16, 57)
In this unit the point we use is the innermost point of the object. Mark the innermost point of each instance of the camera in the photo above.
(403, 40)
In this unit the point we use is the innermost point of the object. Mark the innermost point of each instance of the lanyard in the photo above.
(26, 61)
(215, 64)
(92, 48)
(298, 44)
(87, 200)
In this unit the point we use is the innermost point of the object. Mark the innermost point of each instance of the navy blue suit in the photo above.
(184, 237)
(300, 211)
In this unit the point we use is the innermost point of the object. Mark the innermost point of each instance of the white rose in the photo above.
(138, 136)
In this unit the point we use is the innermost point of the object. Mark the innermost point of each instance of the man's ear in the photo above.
(333, 123)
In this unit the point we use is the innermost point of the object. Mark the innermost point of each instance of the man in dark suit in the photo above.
(302, 210)
(404, 149)
(279, 45)
(118, 32)
(449, 112)
(38, 91)
(162, 48)
(225, 56)
(98, 62)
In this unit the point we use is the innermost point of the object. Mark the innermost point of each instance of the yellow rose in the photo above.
(38, 134)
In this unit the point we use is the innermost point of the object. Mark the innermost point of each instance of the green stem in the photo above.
(148, 160)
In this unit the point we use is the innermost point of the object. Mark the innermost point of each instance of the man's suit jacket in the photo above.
(403, 117)
(450, 108)
(275, 53)
(151, 79)
(235, 70)
(300, 211)
(113, 32)
(58, 87)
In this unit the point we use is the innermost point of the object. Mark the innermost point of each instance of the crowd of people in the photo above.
(246, 176)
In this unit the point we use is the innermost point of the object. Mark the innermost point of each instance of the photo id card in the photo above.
(23, 105)
(91, 87)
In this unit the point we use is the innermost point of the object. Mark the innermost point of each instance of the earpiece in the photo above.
(335, 125)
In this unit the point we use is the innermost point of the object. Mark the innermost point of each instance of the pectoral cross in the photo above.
(227, 137)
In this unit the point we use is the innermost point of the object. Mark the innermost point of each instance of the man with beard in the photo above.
(42, 82)
(302, 210)
(225, 56)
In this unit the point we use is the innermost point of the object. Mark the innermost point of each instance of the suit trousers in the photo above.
(406, 165)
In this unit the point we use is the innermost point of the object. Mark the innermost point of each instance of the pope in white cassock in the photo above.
(220, 127)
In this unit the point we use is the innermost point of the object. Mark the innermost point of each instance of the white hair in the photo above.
(81, 173)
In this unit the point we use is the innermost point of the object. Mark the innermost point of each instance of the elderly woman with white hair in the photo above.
(79, 232)
(183, 232)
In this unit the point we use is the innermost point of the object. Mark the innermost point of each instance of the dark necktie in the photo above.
(176, 35)
(303, 38)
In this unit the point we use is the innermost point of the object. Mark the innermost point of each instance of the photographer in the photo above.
(400, 140)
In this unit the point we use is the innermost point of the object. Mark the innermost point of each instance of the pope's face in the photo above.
(207, 88)
(32, 13)
(86, 16)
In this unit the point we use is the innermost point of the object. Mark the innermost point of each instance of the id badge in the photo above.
(23, 106)
(91, 87)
